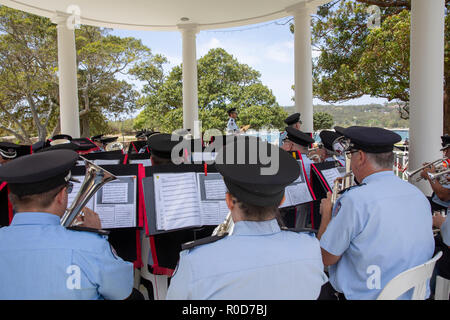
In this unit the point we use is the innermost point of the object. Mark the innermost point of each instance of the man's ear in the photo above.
(282, 200)
(230, 201)
(60, 196)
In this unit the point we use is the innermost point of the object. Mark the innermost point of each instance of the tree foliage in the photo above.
(322, 120)
(223, 83)
(29, 94)
(356, 60)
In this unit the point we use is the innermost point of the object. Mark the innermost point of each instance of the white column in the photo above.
(303, 63)
(67, 65)
(190, 87)
(426, 83)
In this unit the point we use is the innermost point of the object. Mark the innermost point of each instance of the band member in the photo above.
(292, 121)
(8, 152)
(441, 192)
(378, 229)
(259, 260)
(297, 141)
(40, 259)
(62, 136)
(232, 127)
(98, 142)
(161, 145)
(326, 153)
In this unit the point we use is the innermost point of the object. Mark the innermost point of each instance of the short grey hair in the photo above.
(382, 160)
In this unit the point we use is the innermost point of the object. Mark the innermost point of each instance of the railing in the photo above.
(401, 164)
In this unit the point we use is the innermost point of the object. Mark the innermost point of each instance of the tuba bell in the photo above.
(94, 179)
(226, 227)
(114, 146)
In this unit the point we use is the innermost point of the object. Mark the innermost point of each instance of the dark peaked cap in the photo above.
(9, 150)
(293, 118)
(328, 137)
(39, 172)
(243, 176)
(161, 144)
(97, 138)
(299, 137)
(62, 136)
(371, 139)
(231, 110)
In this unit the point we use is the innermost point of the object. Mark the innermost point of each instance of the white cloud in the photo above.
(281, 52)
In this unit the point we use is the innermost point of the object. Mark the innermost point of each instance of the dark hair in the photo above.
(258, 213)
(39, 200)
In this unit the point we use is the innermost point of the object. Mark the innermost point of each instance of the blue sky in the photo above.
(266, 47)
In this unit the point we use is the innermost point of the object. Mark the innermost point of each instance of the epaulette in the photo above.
(301, 230)
(195, 243)
(98, 231)
(350, 188)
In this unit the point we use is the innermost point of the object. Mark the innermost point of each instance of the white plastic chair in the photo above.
(412, 278)
(159, 282)
(442, 291)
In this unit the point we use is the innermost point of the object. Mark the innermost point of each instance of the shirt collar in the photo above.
(27, 218)
(254, 228)
(377, 176)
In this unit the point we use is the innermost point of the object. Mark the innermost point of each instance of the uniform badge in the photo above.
(114, 253)
(336, 209)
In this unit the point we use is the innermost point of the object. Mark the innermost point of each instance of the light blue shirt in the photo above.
(383, 227)
(232, 126)
(445, 230)
(439, 201)
(40, 259)
(258, 261)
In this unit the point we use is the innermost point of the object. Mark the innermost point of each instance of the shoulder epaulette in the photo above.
(98, 231)
(300, 230)
(352, 187)
(195, 243)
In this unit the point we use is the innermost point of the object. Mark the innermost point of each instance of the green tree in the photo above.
(223, 83)
(322, 120)
(356, 60)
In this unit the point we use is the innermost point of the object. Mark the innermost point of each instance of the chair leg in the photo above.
(442, 289)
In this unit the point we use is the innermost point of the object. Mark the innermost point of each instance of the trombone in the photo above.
(440, 164)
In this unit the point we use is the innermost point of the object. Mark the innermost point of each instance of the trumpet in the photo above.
(439, 164)
(344, 182)
(441, 176)
(94, 179)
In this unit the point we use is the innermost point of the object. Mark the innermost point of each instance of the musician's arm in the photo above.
(440, 191)
(180, 284)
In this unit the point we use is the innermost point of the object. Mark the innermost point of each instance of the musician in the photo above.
(328, 137)
(259, 260)
(292, 121)
(299, 141)
(161, 145)
(442, 243)
(97, 140)
(8, 152)
(378, 229)
(441, 192)
(232, 127)
(40, 259)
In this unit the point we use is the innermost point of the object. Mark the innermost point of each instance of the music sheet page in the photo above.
(332, 174)
(115, 203)
(212, 191)
(177, 201)
(73, 194)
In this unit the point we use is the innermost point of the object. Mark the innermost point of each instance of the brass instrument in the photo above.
(226, 227)
(441, 176)
(440, 165)
(346, 181)
(114, 146)
(94, 179)
(313, 155)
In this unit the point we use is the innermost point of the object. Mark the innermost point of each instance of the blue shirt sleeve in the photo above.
(342, 228)
(179, 288)
(112, 275)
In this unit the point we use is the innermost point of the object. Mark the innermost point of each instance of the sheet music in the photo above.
(176, 200)
(212, 191)
(115, 193)
(101, 162)
(332, 174)
(115, 203)
(297, 192)
(203, 156)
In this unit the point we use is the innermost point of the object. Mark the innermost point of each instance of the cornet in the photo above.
(94, 179)
(226, 227)
(441, 176)
(440, 165)
(313, 155)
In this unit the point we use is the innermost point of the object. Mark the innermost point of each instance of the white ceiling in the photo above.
(164, 15)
